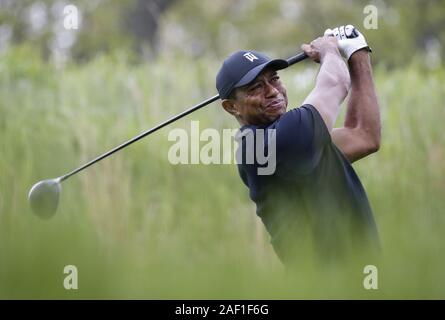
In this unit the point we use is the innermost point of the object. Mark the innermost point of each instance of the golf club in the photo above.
(44, 195)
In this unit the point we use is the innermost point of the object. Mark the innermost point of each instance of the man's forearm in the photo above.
(333, 71)
(332, 83)
(363, 109)
(331, 88)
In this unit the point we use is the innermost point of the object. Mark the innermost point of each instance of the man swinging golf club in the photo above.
(313, 199)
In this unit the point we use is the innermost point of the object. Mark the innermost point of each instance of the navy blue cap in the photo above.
(241, 68)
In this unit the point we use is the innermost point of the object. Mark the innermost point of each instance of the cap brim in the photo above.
(276, 64)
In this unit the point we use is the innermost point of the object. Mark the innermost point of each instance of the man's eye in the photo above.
(254, 87)
(275, 78)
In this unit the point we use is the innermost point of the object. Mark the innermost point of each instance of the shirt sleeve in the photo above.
(301, 136)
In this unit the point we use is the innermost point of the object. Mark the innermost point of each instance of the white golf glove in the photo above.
(349, 39)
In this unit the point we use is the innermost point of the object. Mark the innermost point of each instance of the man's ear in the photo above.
(230, 107)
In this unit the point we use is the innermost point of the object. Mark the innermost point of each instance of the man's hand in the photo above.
(320, 47)
(349, 39)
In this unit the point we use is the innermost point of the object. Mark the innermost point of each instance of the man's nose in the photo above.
(271, 91)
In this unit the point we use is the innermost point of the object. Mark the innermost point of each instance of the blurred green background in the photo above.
(136, 226)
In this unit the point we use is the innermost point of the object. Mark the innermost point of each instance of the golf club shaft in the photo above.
(292, 60)
(297, 58)
(140, 136)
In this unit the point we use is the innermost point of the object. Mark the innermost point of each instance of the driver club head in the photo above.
(44, 197)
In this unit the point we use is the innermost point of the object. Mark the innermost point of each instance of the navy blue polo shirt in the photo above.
(313, 194)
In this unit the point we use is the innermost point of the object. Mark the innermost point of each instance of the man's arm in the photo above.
(332, 81)
(360, 134)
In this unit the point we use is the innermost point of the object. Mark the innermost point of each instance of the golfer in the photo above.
(314, 198)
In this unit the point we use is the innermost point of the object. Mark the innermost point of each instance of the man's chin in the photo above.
(267, 117)
(275, 115)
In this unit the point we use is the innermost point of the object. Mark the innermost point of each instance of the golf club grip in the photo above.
(299, 57)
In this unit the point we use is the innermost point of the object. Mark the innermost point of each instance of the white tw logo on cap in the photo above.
(250, 56)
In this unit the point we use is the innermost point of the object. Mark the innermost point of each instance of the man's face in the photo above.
(260, 102)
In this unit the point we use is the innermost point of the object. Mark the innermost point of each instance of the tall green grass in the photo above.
(136, 226)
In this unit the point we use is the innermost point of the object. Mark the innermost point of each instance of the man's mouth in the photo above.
(276, 104)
